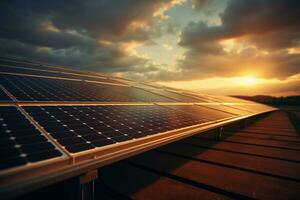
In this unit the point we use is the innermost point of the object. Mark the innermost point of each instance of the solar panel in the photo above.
(228, 104)
(232, 109)
(175, 94)
(8, 66)
(21, 70)
(257, 107)
(206, 112)
(228, 99)
(180, 97)
(44, 89)
(13, 62)
(63, 119)
(80, 128)
(141, 94)
(26, 88)
(199, 96)
(20, 63)
(20, 142)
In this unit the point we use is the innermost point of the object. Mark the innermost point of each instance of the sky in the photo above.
(226, 47)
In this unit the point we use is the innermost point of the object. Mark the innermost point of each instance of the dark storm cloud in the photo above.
(202, 38)
(68, 32)
(271, 26)
(260, 16)
(91, 57)
(98, 18)
(93, 18)
(244, 17)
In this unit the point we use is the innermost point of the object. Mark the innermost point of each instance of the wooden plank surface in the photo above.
(261, 161)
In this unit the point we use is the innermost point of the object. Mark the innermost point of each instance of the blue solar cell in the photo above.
(20, 141)
(44, 89)
(80, 128)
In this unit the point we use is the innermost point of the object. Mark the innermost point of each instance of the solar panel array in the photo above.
(52, 114)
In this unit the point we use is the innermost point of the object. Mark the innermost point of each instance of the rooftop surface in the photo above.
(261, 161)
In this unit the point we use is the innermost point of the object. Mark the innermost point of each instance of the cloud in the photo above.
(258, 37)
(199, 4)
(262, 32)
(79, 33)
(243, 17)
(90, 57)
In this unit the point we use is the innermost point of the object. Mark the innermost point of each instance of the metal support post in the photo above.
(218, 134)
(87, 184)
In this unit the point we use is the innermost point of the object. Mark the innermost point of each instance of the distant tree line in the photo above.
(279, 101)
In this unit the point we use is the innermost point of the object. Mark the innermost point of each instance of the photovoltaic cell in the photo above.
(8, 69)
(232, 109)
(228, 99)
(34, 70)
(20, 63)
(140, 94)
(178, 96)
(210, 114)
(257, 107)
(20, 141)
(37, 65)
(42, 70)
(196, 96)
(216, 99)
(80, 128)
(174, 94)
(44, 89)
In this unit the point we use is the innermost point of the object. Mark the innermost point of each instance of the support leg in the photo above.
(87, 184)
(218, 134)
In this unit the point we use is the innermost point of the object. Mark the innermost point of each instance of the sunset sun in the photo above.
(250, 81)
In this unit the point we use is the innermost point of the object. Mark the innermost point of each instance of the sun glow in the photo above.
(250, 81)
(214, 84)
